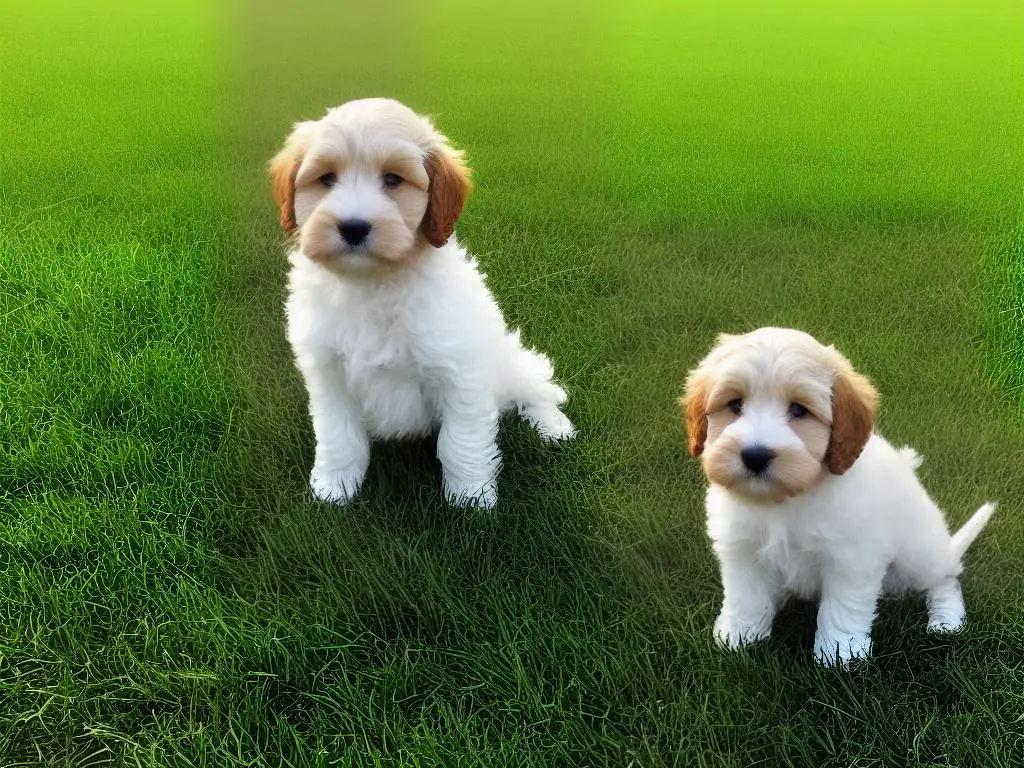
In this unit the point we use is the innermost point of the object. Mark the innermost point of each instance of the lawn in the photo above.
(646, 175)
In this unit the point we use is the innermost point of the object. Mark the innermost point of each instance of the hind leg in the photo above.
(551, 424)
(946, 611)
(535, 395)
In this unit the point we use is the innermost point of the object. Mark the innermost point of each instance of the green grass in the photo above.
(1001, 302)
(645, 177)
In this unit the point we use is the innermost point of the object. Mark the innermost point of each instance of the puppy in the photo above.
(393, 328)
(805, 499)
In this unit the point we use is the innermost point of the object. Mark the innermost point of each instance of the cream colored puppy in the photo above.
(392, 324)
(805, 499)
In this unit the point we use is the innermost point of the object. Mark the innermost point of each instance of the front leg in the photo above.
(467, 447)
(753, 594)
(342, 445)
(849, 600)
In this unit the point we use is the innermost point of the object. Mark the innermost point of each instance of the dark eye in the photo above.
(735, 405)
(392, 180)
(328, 179)
(797, 411)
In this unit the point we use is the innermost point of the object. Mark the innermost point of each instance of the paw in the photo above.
(551, 424)
(945, 621)
(734, 635)
(839, 651)
(946, 611)
(338, 487)
(479, 495)
(945, 627)
(557, 429)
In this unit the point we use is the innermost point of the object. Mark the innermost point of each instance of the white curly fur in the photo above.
(845, 538)
(396, 337)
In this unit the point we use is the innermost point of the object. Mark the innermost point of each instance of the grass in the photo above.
(645, 177)
(1001, 302)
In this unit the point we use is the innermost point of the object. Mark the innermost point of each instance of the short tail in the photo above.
(969, 531)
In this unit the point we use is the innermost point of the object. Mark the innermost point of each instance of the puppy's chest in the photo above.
(373, 347)
(380, 355)
(797, 562)
(373, 341)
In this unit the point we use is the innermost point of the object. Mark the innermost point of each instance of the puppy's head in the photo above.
(770, 412)
(368, 186)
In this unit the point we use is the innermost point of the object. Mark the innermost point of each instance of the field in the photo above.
(646, 175)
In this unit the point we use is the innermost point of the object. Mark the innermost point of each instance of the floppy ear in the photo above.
(449, 187)
(283, 169)
(854, 402)
(695, 408)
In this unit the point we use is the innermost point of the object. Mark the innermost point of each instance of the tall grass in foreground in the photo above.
(646, 176)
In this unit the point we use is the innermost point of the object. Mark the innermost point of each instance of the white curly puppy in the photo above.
(393, 327)
(805, 499)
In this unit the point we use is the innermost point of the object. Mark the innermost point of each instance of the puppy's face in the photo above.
(367, 187)
(770, 412)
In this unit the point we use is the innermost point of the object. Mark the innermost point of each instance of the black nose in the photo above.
(354, 231)
(757, 458)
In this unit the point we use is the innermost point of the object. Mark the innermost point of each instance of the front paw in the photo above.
(839, 650)
(480, 495)
(735, 634)
(335, 487)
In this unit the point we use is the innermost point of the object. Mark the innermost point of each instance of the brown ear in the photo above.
(854, 402)
(695, 409)
(283, 169)
(449, 187)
